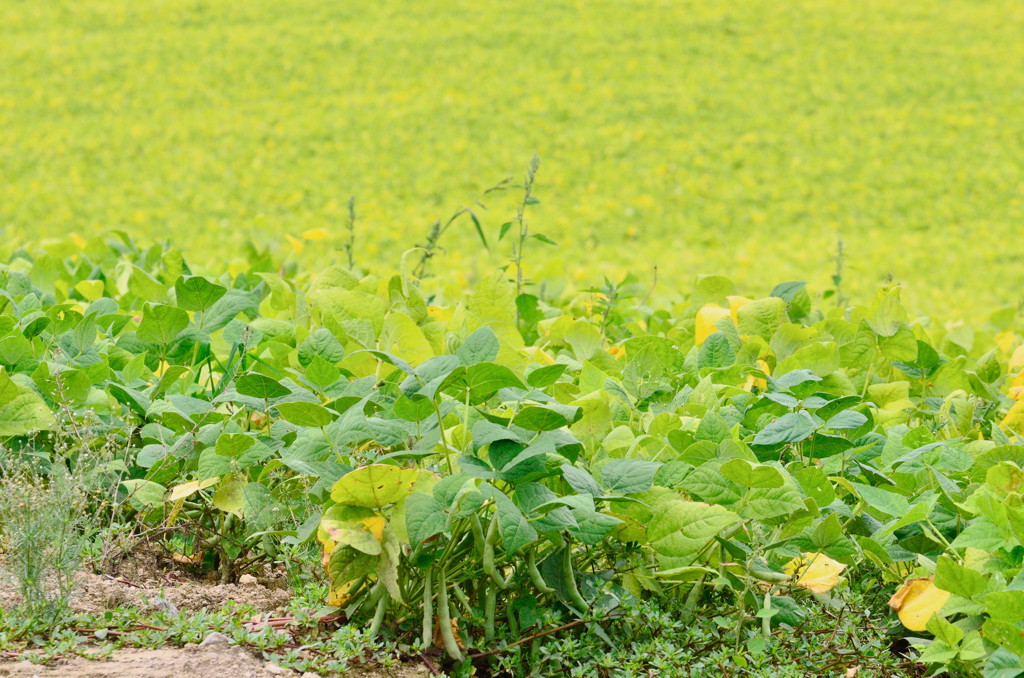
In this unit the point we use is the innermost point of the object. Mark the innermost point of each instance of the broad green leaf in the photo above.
(481, 346)
(955, 578)
(545, 376)
(424, 517)
(789, 428)
(320, 343)
(22, 411)
(747, 474)
(680, 530)
(1005, 606)
(260, 386)
(305, 414)
(629, 476)
(580, 480)
(161, 323)
(516, 530)
(546, 417)
(144, 494)
(195, 293)
(228, 497)
(762, 317)
(234, 444)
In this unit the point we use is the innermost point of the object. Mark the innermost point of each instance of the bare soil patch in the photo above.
(191, 661)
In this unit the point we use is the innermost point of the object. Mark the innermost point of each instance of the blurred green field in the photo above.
(734, 137)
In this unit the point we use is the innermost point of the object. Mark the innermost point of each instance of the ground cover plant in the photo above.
(702, 137)
(483, 476)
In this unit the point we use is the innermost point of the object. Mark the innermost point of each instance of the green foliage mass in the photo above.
(732, 136)
(484, 462)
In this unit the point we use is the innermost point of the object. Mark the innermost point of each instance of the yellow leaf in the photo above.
(339, 596)
(375, 526)
(537, 355)
(1017, 359)
(735, 304)
(815, 572)
(916, 602)
(90, 289)
(297, 245)
(316, 234)
(707, 316)
(186, 490)
(439, 313)
(1014, 419)
(78, 240)
(752, 381)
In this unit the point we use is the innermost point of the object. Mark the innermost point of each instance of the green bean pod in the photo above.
(444, 618)
(490, 602)
(538, 581)
(378, 616)
(428, 608)
(575, 597)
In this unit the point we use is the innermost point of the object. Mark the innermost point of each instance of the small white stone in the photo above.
(215, 638)
(274, 669)
(247, 580)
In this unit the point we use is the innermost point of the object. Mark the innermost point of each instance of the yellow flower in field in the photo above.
(77, 239)
(297, 245)
(815, 572)
(616, 351)
(707, 316)
(316, 234)
(916, 602)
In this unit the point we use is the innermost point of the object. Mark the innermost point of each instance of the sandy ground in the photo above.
(150, 586)
(191, 661)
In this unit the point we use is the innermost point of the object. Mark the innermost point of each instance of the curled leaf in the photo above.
(815, 572)
(916, 602)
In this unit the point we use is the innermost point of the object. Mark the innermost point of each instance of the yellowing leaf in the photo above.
(338, 596)
(78, 240)
(735, 304)
(439, 313)
(90, 289)
(752, 381)
(316, 234)
(186, 490)
(374, 486)
(1017, 359)
(815, 572)
(916, 602)
(707, 316)
(537, 355)
(1005, 341)
(375, 526)
(297, 245)
(1014, 419)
